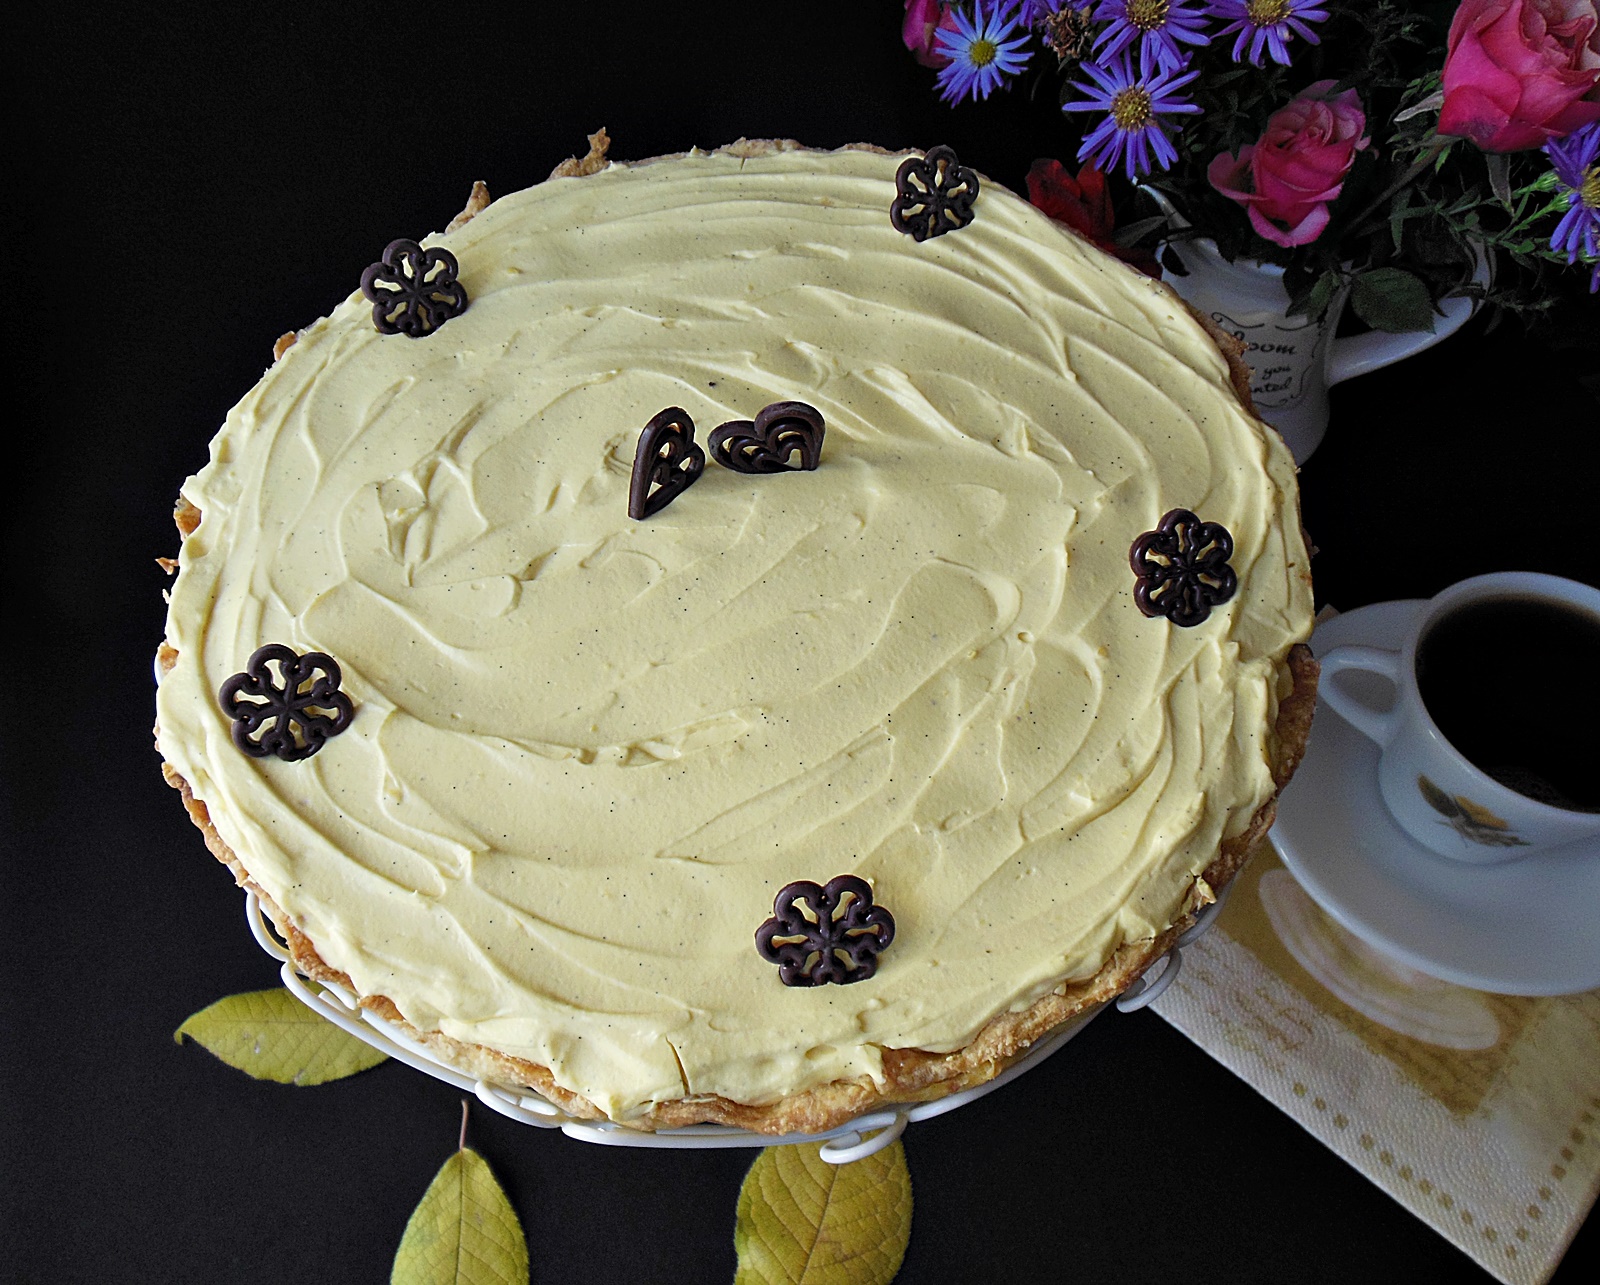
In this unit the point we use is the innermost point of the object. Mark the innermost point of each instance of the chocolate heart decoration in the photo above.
(766, 445)
(668, 459)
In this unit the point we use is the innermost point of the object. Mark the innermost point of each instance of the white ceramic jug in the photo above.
(1293, 361)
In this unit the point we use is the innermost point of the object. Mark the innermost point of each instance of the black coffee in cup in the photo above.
(1514, 685)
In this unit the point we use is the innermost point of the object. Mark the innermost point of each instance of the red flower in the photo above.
(1520, 72)
(1287, 178)
(1084, 205)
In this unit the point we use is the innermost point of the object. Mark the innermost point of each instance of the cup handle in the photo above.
(1378, 725)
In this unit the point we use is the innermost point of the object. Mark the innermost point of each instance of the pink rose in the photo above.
(1520, 72)
(1288, 176)
(923, 18)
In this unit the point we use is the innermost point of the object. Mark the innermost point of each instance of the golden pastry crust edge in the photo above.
(910, 1075)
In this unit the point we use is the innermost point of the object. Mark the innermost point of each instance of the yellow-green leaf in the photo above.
(271, 1035)
(464, 1232)
(802, 1221)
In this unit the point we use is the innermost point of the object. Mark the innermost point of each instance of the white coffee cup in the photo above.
(1435, 794)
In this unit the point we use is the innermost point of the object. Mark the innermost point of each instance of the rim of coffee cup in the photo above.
(1530, 583)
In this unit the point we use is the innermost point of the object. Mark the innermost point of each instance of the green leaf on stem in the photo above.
(270, 1035)
(803, 1220)
(1397, 218)
(1316, 300)
(1136, 231)
(1499, 166)
(1392, 299)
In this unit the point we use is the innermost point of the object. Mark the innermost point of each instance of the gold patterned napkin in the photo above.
(1477, 1112)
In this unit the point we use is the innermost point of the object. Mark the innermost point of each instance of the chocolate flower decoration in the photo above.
(413, 291)
(286, 718)
(1182, 568)
(826, 946)
(667, 459)
(935, 194)
(766, 445)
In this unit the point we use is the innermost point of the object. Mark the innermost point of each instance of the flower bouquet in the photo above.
(1377, 151)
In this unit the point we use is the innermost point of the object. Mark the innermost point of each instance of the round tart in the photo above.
(582, 754)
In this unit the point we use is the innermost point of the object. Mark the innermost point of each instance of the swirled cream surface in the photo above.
(588, 751)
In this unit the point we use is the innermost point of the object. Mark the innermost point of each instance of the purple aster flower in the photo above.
(1132, 132)
(1576, 160)
(1030, 12)
(983, 50)
(1152, 24)
(1268, 25)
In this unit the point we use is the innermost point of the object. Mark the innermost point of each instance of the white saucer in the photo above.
(1527, 927)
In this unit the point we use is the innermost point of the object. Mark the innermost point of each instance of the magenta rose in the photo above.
(1520, 72)
(924, 18)
(1287, 178)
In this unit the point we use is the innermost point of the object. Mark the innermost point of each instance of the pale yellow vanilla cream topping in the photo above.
(588, 751)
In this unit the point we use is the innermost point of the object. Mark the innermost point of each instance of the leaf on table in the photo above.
(802, 1221)
(270, 1035)
(464, 1232)
(1392, 299)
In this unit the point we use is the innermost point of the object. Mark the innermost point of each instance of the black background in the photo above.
(189, 182)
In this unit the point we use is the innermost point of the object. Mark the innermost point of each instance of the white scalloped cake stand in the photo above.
(859, 1138)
